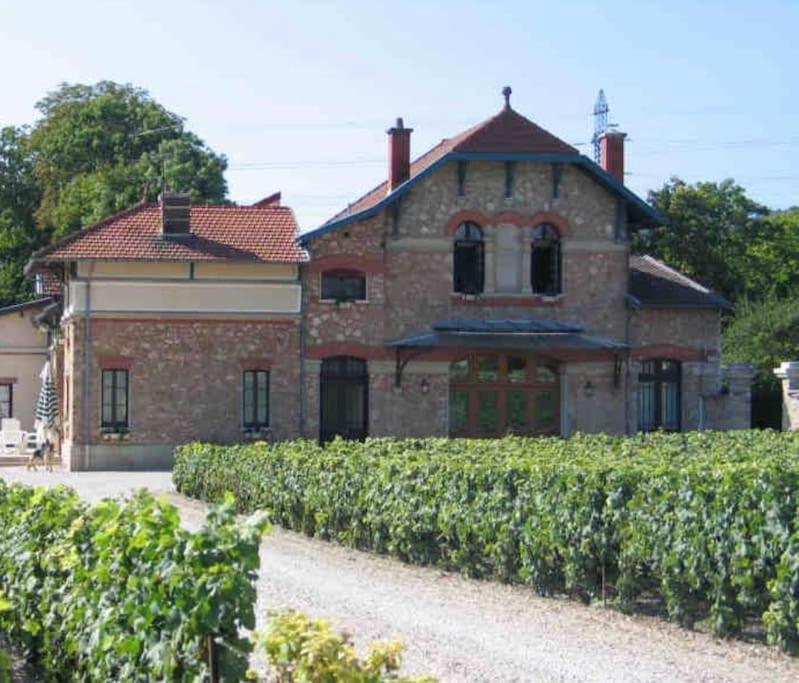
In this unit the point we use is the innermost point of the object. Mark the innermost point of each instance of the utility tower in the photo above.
(600, 121)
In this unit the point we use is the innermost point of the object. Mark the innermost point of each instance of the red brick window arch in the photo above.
(468, 259)
(343, 284)
(545, 260)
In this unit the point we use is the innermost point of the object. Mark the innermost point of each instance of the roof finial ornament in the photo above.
(506, 91)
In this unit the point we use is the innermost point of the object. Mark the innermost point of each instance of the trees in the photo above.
(100, 148)
(19, 197)
(773, 257)
(709, 235)
(97, 149)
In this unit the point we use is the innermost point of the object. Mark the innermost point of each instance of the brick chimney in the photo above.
(399, 154)
(175, 214)
(611, 153)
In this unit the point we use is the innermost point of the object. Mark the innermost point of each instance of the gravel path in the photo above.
(463, 630)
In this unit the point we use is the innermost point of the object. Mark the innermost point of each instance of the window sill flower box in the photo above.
(110, 434)
(260, 434)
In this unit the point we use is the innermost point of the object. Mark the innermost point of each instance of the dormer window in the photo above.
(343, 285)
(545, 260)
(469, 259)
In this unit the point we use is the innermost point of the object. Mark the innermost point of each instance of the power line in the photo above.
(379, 124)
(753, 143)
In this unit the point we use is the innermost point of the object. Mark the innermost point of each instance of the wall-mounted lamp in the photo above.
(424, 385)
(588, 388)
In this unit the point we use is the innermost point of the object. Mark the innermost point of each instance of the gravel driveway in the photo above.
(458, 629)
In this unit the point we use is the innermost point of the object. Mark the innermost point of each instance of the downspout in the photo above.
(627, 338)
(702, 398)
(302, 355)
(87, 357)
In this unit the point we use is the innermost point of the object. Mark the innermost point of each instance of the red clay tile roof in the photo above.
(219, 233)
(506, 133)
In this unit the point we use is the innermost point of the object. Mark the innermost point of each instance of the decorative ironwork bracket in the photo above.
(402, 362)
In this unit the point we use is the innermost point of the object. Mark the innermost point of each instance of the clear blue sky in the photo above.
(299, 94)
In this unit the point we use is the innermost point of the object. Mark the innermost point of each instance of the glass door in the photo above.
(344, 399)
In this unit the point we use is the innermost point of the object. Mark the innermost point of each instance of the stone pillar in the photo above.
(788, 373)
(738, 379)
(489, 286)
(527, 242)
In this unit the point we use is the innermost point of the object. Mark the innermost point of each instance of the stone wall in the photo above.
(731, 407)
(408, 410)
(591, 400)
(185, 383)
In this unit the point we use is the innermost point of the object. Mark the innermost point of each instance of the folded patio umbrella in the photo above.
(47, 405)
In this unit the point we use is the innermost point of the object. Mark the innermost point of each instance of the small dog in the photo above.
(42, 456)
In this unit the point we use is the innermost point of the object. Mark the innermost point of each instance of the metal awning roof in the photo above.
(534, 342)
(505, 325)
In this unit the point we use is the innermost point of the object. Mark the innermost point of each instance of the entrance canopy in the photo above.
(535, 336)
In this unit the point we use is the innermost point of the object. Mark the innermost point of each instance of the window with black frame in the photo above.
(659, 399)
(468, 259)
(343, 285)
(6, 400)
(255, 399)
(545, 260)
(115, 400)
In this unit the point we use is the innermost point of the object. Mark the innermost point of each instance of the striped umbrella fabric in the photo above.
(47, 405)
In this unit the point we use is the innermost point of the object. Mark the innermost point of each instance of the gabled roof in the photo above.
(654, 285)
(264, 233)
(506, 136)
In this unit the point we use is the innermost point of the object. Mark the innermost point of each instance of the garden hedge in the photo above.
(706, 523)
(118, 591)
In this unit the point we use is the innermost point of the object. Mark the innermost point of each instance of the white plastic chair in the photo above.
(10, 436)
(10, 424)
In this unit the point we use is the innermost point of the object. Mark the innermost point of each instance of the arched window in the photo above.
(469, 259)
(343, 285)
(545, 260)
(659, 398)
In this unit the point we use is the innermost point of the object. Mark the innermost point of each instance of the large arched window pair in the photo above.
(469, 260)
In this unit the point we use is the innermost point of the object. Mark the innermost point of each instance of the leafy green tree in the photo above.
(100, 148)
(711, 226)
(773, 257)
(96, 150)
(19, 198)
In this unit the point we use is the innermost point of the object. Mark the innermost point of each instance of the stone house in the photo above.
(486, 287)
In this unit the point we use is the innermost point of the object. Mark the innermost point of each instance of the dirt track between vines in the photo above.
(459, 629)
